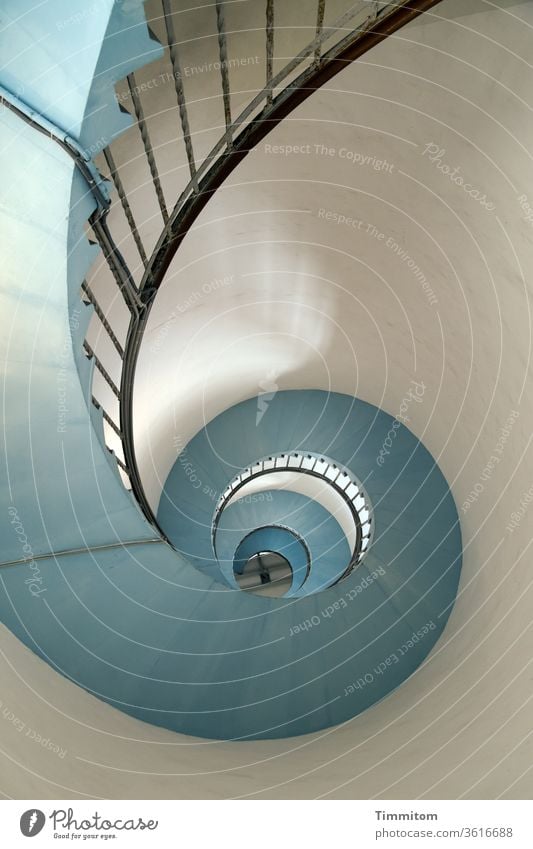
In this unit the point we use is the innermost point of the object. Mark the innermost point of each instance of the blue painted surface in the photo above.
(328, 548)
(408, 580)
(140, 626)
(63, 57)
(281, 541)
(54, 472)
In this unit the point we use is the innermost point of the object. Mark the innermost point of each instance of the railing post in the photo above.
(180, 93)
(143, 128)
(92, 299)
(223, 53)
(269, 48)
(115, 176)
(319, 28)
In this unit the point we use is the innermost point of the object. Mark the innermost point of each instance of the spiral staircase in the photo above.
(219, 349)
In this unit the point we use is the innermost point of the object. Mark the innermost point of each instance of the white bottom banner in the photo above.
(263, 824)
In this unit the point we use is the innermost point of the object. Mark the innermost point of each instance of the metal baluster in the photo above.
(269, 48)
(319, 28)
(92, 298)
(346, 485)
(116, 263)
(121, 464)
(115, 176)
(223, 53)
(139, 114)
(180, 94)
(101, 368)
(107, 417)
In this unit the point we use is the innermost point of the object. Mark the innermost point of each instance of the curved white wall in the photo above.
(311, 302)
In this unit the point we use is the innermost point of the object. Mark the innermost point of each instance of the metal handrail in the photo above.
(364, 527)
(264, 96)
(381, 19)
